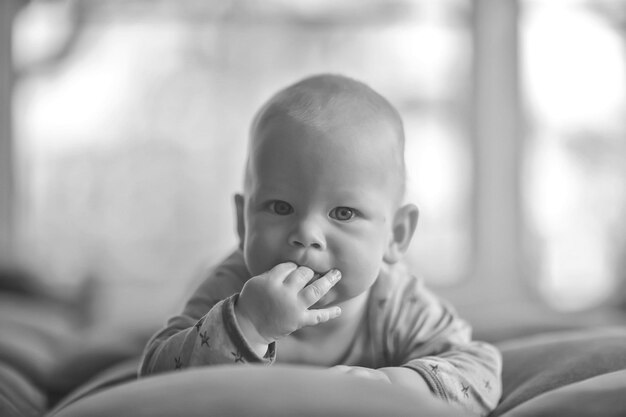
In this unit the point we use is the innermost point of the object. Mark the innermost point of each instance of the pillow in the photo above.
(121, 372)
(535, 365)
(33, 334)
(46, 344)
(256, 391)
(18, 396)
(602, 395)
(90, 352)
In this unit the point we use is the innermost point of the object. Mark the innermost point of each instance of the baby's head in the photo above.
(324, 184)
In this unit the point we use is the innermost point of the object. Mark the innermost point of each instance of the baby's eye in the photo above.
(282, 208)
(342, 213)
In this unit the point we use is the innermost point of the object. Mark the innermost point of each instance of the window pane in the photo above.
(132, 118)
(575, 188)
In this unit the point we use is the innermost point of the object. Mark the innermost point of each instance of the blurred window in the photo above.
(131, 124)
(575, 167)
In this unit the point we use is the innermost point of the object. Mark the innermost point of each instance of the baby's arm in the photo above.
(210, 331)
(426, 347)
(205, 332)
(210, 340)
(430, 340)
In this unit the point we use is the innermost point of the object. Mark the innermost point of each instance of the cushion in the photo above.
(46, 344)
(33, 334)
(90, 352)
(602, 395)
(18, 396)
(534, 366)
(121, 372)
(257, 391)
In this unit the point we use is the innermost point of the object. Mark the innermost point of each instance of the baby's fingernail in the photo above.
(334, 276)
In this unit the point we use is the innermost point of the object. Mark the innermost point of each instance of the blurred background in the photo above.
(124, 124)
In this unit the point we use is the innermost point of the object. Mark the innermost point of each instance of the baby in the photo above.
(318, 277)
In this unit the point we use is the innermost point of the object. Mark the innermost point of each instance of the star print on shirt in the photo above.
(198, 325)
(178, 363)
(238, 356)
(487, 385)
(434, 368)
(381, 302)
(465, 390)
(205, 339)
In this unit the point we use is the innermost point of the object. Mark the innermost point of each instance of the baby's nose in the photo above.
(306, 244)
(307, 234)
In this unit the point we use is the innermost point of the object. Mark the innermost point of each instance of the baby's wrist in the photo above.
(249, 330)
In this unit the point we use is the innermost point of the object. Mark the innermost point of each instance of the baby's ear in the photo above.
(241, 226)
(403, 227)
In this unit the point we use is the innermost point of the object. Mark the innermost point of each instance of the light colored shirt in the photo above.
(406, 325)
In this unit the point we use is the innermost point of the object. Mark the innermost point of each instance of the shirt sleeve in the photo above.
(425, 334)
(206, 332)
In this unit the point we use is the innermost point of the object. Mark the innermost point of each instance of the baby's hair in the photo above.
(326, 101)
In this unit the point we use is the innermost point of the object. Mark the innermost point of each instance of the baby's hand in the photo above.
(362, 372)
(276, 303)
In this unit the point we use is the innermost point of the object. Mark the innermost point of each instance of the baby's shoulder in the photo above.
(397, 279)
(396, 285)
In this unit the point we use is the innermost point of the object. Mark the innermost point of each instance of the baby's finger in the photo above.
(312, 293)
(299, 277)
(281, 271)
(313, 317)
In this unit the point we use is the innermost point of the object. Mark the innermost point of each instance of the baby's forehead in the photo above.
(331, 104)
(336, 139)
(332, 115)
(285, 148)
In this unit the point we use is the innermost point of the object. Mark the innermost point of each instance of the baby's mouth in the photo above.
(316, 274)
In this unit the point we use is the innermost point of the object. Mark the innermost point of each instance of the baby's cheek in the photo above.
(359, 276)
(370, 252)
(259, 254)
(255, 255)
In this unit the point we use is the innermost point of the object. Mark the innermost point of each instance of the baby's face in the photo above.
(322, 200)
